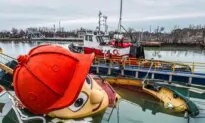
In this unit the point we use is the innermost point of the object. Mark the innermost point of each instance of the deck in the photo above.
(158, 74)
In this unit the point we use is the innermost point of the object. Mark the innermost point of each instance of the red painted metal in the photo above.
(109, 90)
(121, 44)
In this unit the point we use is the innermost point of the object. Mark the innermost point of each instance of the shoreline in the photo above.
(81, 40)
(14, 39)
(42, 39)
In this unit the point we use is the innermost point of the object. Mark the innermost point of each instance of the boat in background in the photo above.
(118, 47)
(95, 44)
(120, 42)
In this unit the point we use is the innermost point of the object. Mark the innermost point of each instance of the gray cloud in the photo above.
(83, 13)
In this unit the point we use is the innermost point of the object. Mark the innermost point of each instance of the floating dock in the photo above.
(186, 77)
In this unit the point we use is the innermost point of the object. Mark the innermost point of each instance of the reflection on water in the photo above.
(183, 54)
(138, 107)
(14, 49)
(135, 107)
(188, 54)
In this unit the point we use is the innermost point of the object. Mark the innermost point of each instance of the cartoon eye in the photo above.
(89, 81)
(79, 102)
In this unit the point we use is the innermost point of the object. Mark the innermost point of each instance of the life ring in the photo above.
(115, 52)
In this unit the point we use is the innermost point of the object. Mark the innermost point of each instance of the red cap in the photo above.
(50, 77)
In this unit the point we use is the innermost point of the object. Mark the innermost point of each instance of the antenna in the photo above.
(106, 26)
(100, 14)
(120, 21)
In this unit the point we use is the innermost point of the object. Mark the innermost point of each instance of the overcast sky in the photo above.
(83, 13)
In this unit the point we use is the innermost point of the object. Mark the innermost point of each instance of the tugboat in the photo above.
(95, 44)
(121, 51)
(128, 55)
(118, 47)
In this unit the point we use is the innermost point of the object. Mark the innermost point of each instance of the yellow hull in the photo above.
(165, 95)
(169, 101)
(122, 81)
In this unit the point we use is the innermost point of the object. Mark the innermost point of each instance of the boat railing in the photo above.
(138, 63)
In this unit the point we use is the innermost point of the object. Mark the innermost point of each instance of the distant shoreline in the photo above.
(43, 39)
(80, 40)
(14, 39)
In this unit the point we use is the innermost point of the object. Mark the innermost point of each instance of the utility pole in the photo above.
(150, 31)
(203, 35)
(59, 26)
(54, 30)
(120, 21)
(142, 34)
(100, 14)
(157, 32)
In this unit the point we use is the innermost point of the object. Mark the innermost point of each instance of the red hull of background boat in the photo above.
(98, 52)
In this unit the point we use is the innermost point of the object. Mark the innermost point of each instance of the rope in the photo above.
(20, 115)
(7, 59)
(2, 62)
(3, 59)
(16, 112)
(17, 103)
(145, 78)
(2, 54)
(118, 108)
(10, 94)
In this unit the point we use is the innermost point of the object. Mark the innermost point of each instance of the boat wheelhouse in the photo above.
(96, 44)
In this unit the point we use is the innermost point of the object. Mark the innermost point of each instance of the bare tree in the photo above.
(14, 31)
(21, 33)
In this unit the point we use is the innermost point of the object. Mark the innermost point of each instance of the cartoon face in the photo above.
(91, 100)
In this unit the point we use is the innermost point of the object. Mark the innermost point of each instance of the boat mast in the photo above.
(105, 24)
(120, 21)
(54, 30)
(100, 14)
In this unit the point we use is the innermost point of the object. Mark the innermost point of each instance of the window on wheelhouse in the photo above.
(90, 38)
(97, 39)
(100, 39)
(86, 37)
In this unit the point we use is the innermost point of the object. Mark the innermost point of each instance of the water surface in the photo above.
(136, 107)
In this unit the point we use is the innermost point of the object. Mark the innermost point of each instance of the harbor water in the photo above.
(136, 106)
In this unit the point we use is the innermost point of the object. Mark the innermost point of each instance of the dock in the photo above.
(188, 78)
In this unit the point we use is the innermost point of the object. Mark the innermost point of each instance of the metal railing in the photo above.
(157, 64)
